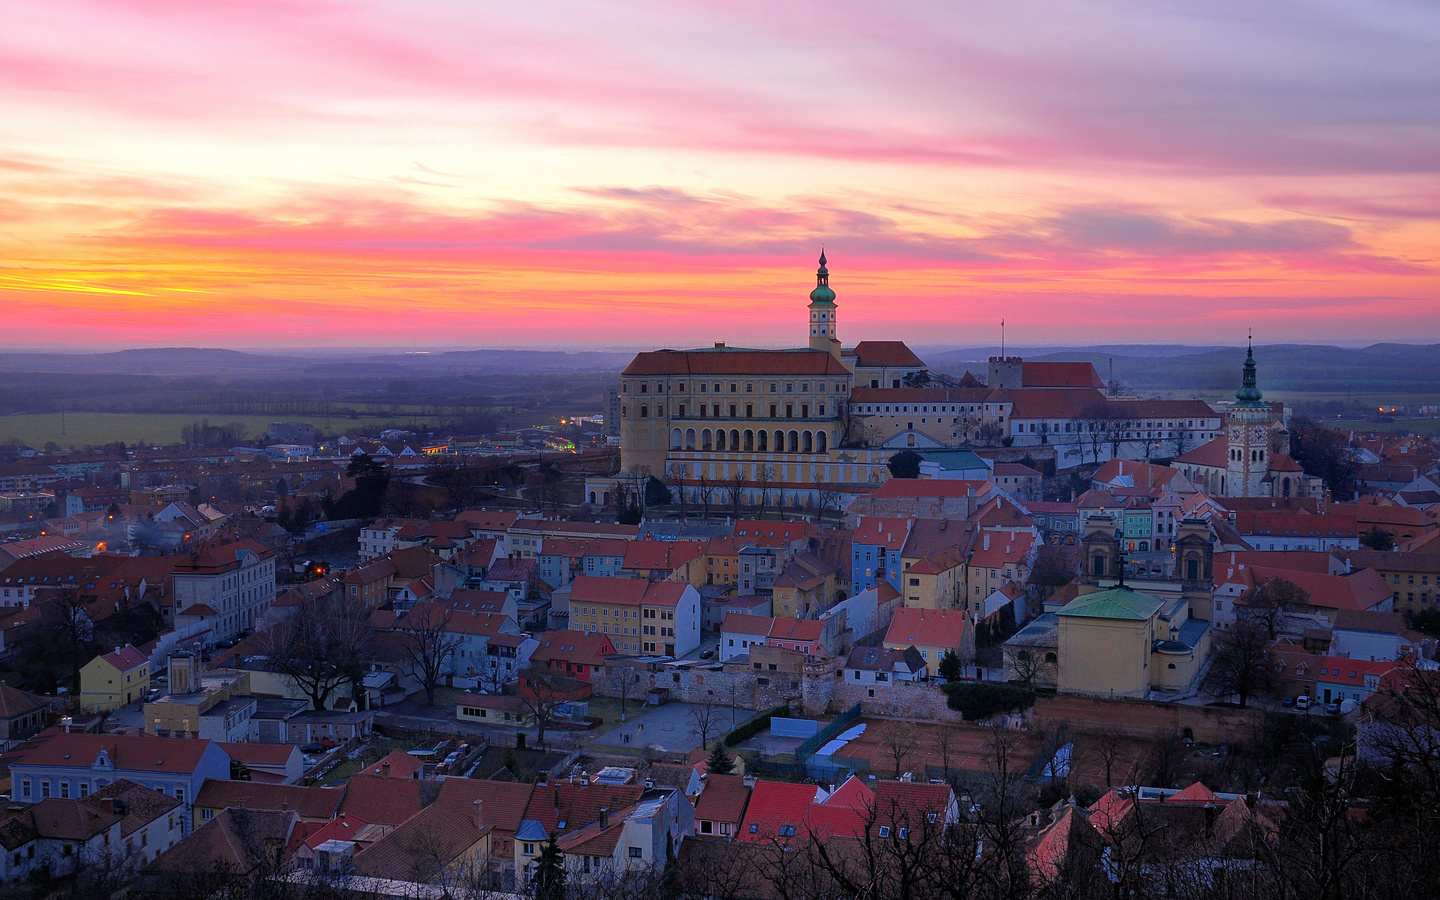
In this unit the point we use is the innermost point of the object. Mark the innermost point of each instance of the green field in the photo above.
(82, 429)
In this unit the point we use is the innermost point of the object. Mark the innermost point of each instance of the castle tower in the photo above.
(1247, 424)
(822, 313)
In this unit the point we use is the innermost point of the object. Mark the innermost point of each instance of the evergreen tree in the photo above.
(720, 762)
(950, 666)
(549, 881)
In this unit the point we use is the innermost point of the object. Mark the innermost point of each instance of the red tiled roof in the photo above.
(384, 801)
(1054, 403)
(1350, 672)
(342, 829)
(502, 803)
(577, 804)
(628, 591)
(774, 805)
(926, 628)
(573, 647)
(666, 555)
(738, 363)
(488, 519)
(309, 802)
(1060, 375)
(882, 531)
(740, 623)
(723, 799)
(885, 354)
(401, 765)
(796, 630)
(932, 488)
(260, 754)
(131, 752)
(125, 658)
(1005, 549)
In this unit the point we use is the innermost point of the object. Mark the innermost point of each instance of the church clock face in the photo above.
(1257, 434)
(1236, 434)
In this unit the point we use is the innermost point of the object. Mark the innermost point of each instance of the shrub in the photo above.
(981, 701)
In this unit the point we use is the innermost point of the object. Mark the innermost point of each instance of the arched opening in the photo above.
(720, 440)
(674, 439)
(820, 440)
(1050, 658)
(779, 442)
(605, 497)
(592, 498)
(734, 439)
(689, 439)
(795, 442)
(749, 441)
(807, 444)
(764, 444)
(1285, 487)
(705, 439)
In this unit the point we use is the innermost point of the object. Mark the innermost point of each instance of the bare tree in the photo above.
(827, 497)
(737, 484)
(1240, 663)
(427, 645)
(1166, 754)
(681, 489)
(900, 739)
(1270, 602)
(321, 646)
(945, 742)
(540, 695)
(1030, 666)
(704, 489)
(764, 477)
(705, 719)
(1109, 747)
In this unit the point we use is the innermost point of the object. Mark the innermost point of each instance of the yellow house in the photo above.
(935, 582)
(115, 679)
(933, 632)
(803, 588)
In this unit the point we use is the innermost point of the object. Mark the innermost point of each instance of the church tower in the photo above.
(822, 313)
(1247, 424)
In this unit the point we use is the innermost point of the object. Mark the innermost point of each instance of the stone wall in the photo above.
(744, 690)
(1138, 719)
(896, 700)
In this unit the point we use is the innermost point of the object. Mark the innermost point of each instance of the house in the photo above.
(640, 617)
(368, 585)
(1295, 669)
(875, 550)
(493, 709)
(150, 822)
(998, 557)
(932, 632)
(563, 808)
(739, 632)
(571, 653)
(442, 844)
(237, 840)
(500, 806)
(22, 713)
(114, 679)
(879, 665)
(380, 800)
(720, 807)
(236, 580)
(75, 765)
(776, 811)
(314, 854)
(268, 763)
(1341, 679)
(53, 836)
(1365, 634)
(804, 587)
(800, 635)
(641, 838)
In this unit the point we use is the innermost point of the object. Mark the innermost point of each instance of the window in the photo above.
(634, 852)
(529, 849)
(884, 831)
(904, 833)
(787, 830)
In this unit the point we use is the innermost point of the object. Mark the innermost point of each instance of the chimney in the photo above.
(385, 771)
(604, 817)
(479, 806)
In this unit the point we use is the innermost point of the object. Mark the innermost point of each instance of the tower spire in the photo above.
(822, 311)
(1249, 393)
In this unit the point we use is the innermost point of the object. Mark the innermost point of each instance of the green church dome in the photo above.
(822, 295)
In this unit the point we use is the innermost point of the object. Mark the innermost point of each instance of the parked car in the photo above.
(1288, 701)
(1302, 702)
(1333, 708)
(313, 748)
(706, 654)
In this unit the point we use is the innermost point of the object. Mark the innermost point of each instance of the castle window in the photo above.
(644, 388)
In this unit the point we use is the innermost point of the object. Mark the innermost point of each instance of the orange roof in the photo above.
(573, 646)
(1211, 453)
(740, 623)
(1053, 403)
(774, 807)
(383, 801)
(926, 628)
(796, 630)
(1004, 549)
(125, 658)
(737, 363)
(885, 354)
(626, 591)
(666, 555)
(1060, 375)
(130, 752)
(882, 531)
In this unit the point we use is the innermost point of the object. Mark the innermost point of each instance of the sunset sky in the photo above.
(467, 174)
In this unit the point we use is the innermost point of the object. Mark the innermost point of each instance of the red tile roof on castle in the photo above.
(939, 488)
(734, 362)
(1060, 375)
(1053, 403)
(884, 354)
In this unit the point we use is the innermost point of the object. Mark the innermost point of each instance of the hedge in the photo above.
(753, 727)
(981, 701)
